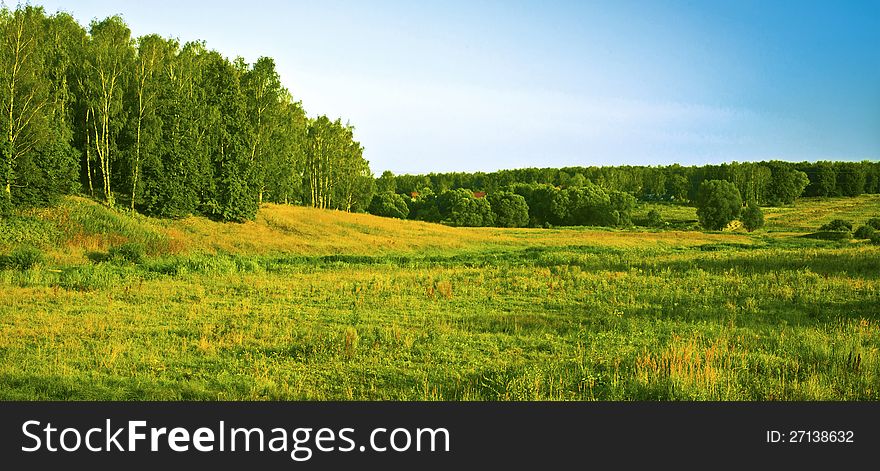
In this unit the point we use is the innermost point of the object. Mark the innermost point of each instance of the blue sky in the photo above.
(483, 85)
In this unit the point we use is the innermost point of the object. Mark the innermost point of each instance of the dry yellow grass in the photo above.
(84, 227)
(807, 214)
(296, 229)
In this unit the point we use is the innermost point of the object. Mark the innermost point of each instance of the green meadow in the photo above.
(308, 304)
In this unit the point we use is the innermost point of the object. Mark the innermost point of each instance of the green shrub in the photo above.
(718, 203)
(389, 205)
(91, 277)
(873, 222)
(248, 265)
(219, 264)
(837, 225)
(752, 217)
(655, 219)
(23, 258)
(25, 230)
(511, 210)
(130, 252)
(830, 235)
(622, 205)
(864, 232)
(460, 208)
(876, 239)
(5, 207)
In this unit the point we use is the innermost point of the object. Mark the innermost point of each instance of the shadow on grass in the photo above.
(97, 257)
(802, 311)
(33, 387)
(828, 264)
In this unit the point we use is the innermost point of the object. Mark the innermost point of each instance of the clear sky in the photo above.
(481, 85)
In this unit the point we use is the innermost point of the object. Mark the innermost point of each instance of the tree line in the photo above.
(767, 183)
(164, 128)
(520, 205)
(606, 195)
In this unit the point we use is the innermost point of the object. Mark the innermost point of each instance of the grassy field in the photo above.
(311, 304)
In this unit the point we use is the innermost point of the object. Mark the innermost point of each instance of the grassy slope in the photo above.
(495, 314)
(78, 227)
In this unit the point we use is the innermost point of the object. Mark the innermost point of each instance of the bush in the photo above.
(830, 235)
(477, 213)
(47, 173)
(131, 252)
(874, 222)
(864, 232)
(425, 209)
(510, 209)
(876, 239)
(547, 204)
(591, 205)
(27, 231)
(5, 207)
(23, 258)
(424, 206)
(622, 204)
(786, 183)
(655, 219)
(236, 200)
(588, 205)
(460, 208)
(219, 264)
(389, 205)
(752, 217)
(92, 277)
(718, 203)
(837, 225)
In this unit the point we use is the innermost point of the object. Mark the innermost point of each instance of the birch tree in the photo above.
(24, 94)
(108, 60)
(285, 151)
(153, 53)
(262, 88)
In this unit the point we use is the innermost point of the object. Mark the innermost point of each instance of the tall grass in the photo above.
(571, 314)
(556, 323)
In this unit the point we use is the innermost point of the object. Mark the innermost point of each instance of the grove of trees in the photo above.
(163, 128)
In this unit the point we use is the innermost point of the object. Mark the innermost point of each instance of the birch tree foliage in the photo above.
(282, 176)
(37, 162)
(80, 109)
(153, 56)
(335, 170)
(318, 150)
(354, 183)
(324, 148)
(24, 94)
(234, 200)
(109, 59)
(59, 159)
(261, 86)
(180, 176)
(166, 123)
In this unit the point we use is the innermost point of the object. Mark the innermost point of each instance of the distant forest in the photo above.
(605, 195)
(172, 130)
